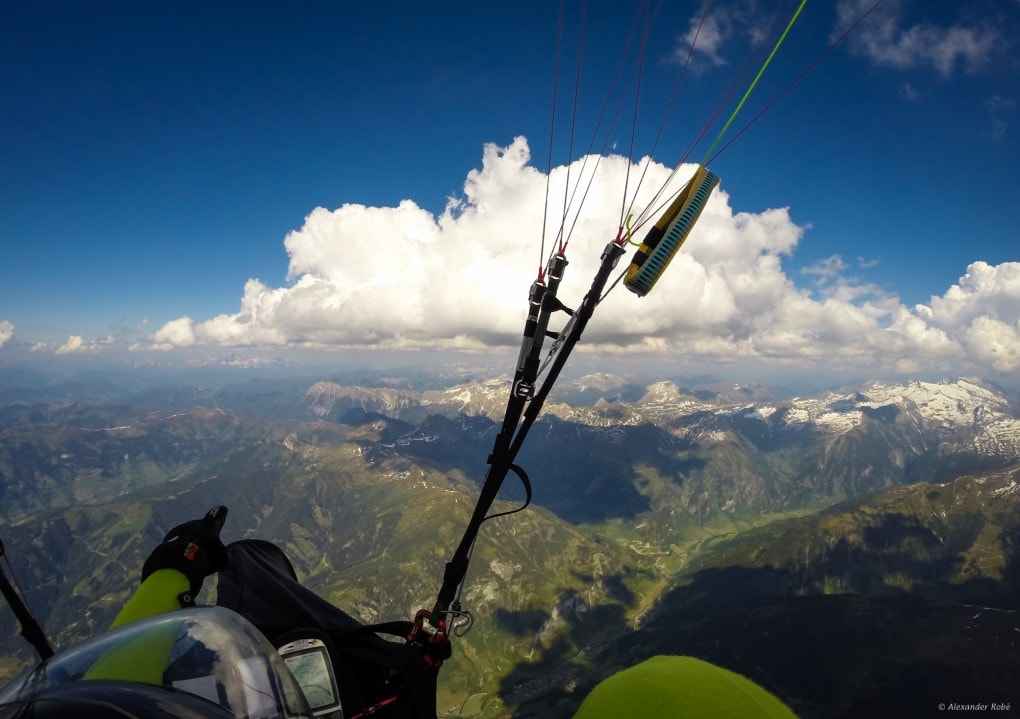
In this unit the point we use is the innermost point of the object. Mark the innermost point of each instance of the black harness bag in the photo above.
(375, 676)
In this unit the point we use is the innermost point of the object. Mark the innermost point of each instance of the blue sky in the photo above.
(162, 166)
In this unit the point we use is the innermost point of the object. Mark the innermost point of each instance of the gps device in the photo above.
(309, 662)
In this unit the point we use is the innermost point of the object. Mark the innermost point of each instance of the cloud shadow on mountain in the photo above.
(827, 656)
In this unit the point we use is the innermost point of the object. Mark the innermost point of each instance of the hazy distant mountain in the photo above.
(665, 518)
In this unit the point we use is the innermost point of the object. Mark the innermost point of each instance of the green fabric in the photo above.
(138, 659)
(157, 594)
(680, 687)
(144, 659)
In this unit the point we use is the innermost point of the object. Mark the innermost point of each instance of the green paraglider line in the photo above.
(630, 231)
(754, 82)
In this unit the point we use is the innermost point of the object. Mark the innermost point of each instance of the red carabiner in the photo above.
(433, 638)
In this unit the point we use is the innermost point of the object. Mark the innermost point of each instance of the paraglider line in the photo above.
(552, 135)
(797, 79)
(754, 82)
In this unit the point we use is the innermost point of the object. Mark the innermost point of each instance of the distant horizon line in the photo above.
(438, 369)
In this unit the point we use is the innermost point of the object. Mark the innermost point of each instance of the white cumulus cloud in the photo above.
(6, 332)
(982, 311)
(401, 277)
(886, 39)
(713, 28)
(76, 344)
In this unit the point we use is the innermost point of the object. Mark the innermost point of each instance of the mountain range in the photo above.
(808, 542)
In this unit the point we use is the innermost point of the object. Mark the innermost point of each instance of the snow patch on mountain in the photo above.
(965, 414)
(945, 406)
(598, 382)
(951, 402)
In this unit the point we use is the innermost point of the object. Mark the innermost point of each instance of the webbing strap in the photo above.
(511, 437)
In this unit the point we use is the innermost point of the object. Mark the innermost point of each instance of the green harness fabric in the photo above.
(144, 661)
